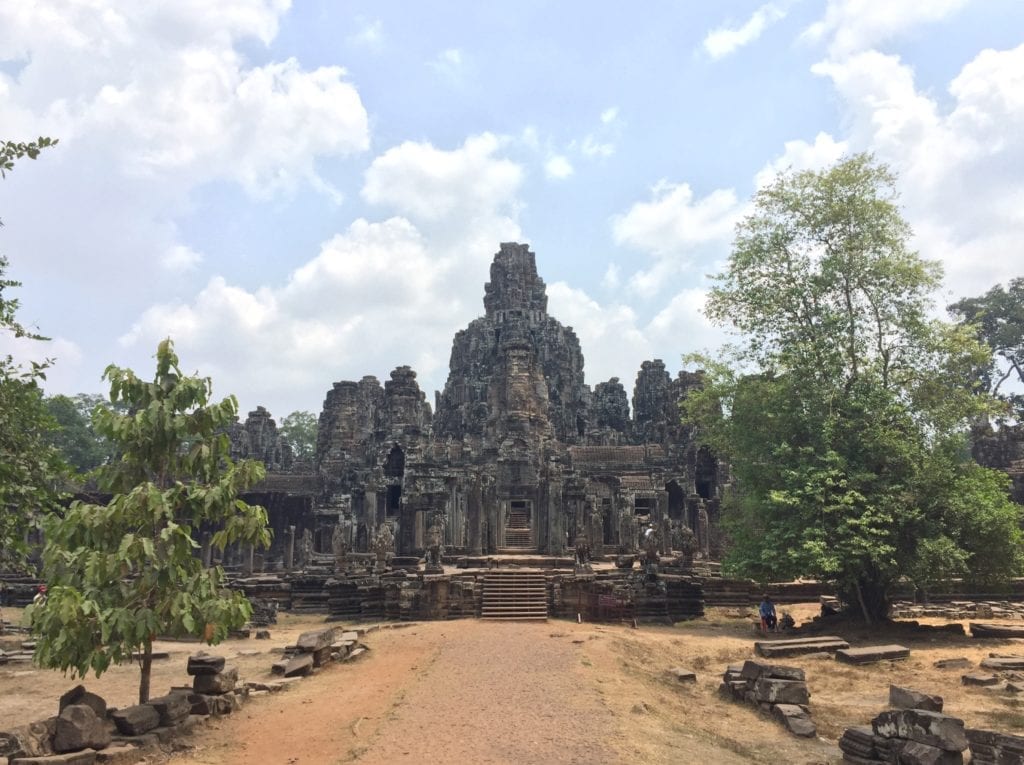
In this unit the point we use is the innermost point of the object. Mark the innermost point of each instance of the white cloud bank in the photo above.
(725, 40)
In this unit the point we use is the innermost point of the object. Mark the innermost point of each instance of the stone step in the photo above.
(996, 631)
(799, 646)
(871, 653)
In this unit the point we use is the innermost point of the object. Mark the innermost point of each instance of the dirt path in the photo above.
(472, 692)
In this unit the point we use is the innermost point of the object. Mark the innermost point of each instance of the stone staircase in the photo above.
(517, 533)
(512, 594)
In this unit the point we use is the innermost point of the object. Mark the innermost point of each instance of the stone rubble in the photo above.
(775, 690)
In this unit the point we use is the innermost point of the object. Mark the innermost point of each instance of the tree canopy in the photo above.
(843, 408)
(998, 318)
(74, 436)
(122, 573)
(299, 430)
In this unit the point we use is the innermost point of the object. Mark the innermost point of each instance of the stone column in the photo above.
(475, 516)
(207, 550)
(248, 559)
(289, 548)
(556, 520)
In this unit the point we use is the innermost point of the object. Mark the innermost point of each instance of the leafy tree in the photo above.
(29, 466)
(123, 573)
(299, 430)
(998, 317)
(74, 436)
(843, 411)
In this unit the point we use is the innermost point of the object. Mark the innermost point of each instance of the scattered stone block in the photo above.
(263, 634)
(996, 631)
(172, 708)
(123, 754)
(798, 646)
(211, 705)
(1015, 688)
(79, 728)
(683, 675)
(905, 698)
(296, 667)
(136, 720)
(795, 719)
(932, 728)
(916, 753)
(1003, 663)
(979, 678)
(356, 653)
(872, 653)
(221, 682)
(79, 695)
(314, 640)
(85, 757)
(776, 691)
(205, 664)
(754, 670)
(959, 663)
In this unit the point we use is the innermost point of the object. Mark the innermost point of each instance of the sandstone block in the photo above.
(123, 754)
(959, 663)
(932, 728)
(205, 664)
(136, 720)
(754, 670)
(905, 698)
(781, 691)
(295, 667)
(314, 640)
(221, 682)
(85, 757)
(172, 708)
(872, 653)
(979, 678)
(78, 728)
(916, 753)
(78, 695)
(795, 719)
(683, 675)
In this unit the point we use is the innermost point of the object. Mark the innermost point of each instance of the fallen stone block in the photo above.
(314, 640)
(872, 653)
(79, 695)
(322, 655)
(754, 670)
(172, 708)
(916, 753)
(210, 705)
(932, 728)
(959, 663)
(1003, 663)
(979, 678)
(798, 646)
(683, 675)
(133, 721)
(79, 728)
(295, 667)
(795, 719)
(221, 682)
(205, 664)
(996, 631)
(356, 653)
(85, 757)
(775, 691)
(123, 754)
(905, 698)
(263, 634)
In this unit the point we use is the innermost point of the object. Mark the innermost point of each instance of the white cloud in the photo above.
(724, 40)
(370, 35)
(594, 147)
(957, 166)
(557, 167)
(855, 25)
(800, 155)
(612, 277)
(181, 258)
(450, 64)
(609, 115)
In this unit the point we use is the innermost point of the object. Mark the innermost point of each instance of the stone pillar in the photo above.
(248, 559)
(289, 548)
(475, 515)
(661, 521)
(207, 550)
(556, 520)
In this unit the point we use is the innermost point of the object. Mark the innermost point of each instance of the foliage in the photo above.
(998, 318)
(123, 573)
(843, 413)
(74, 436)
(29, 467)
(300, 430)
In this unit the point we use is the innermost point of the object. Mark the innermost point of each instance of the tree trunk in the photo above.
(146, 671)
(863, 605)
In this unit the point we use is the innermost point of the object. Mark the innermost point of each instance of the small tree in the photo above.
(299, 430)
(123, 573)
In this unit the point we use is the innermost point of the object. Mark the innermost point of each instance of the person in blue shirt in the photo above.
(767, 611)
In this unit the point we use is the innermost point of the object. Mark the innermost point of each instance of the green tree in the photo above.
(29, 466)
(843, 411)
(73, 435)
(299, 430)
(123, 573)
(998, 318)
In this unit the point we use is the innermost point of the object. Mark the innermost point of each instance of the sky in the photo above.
(304, 192)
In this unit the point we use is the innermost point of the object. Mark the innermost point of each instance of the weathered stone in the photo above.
(932, 728)
(263, 634)
(683, 675)
(136, 720)
(872, 653)
(211, 705)
(753, 670)
(1003, 663)
(77, 728)
(798, 646)
(122, 754)
(795, 718)
(996, 631)
(79, 695)
(959, 663)
(85, 757)
(916, 753)
(205, 664)
(174, 707)
(315, 640)
(781, 691)
(294, 667)
(905, 698)
(32, 740)
(979, 678)
(222, 682)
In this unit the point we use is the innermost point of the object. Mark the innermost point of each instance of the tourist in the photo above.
(767, 611)
(40, 597)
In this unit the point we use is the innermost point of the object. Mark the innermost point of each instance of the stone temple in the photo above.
(518, 455)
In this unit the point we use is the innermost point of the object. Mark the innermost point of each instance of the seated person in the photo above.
(767, 611)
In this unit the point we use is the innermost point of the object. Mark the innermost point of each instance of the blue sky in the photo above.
(309, 193)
